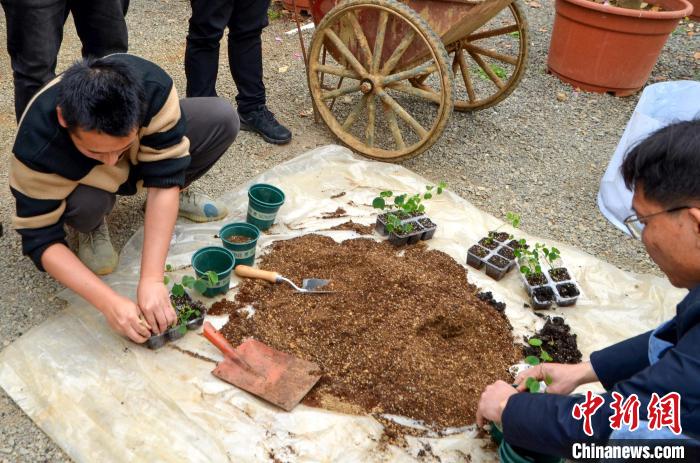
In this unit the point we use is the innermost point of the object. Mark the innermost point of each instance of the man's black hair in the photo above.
(103, 95)
(666, 165)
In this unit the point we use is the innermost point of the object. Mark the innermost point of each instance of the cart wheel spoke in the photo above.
(340, 92)
(347, 54)
(340, 83)
(420, 92)
(379, 40)
(424, 69)
(493, 33)
(487, 69)
(371, 116)
(361, 38)
(335, 71)
(403, 114)
(464, 68)
(491, 54)
(398, 53)
(356, 110)
(394, 126)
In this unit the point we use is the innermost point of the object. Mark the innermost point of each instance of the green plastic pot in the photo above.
(496, 433)
(509, 454)
(221, 261)
(244, 252)
(263, 203)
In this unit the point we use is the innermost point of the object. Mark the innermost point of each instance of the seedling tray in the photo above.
(555, 287)
(423, 229)
(494, 269)
(173, 334)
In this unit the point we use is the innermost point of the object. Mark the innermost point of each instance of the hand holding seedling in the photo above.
(154, 302)
(563, 378)
(493, 401)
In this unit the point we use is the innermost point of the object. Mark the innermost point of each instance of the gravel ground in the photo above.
(532, 153)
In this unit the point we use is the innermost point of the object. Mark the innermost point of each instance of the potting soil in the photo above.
(404, 333)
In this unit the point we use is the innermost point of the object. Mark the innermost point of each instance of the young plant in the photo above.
(531, 383)
(551, 255)
(186, 314)
(403, 206)
(529, 259)
(198, 284)
(511, 218)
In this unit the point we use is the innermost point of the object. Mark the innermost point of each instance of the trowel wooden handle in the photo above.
(250, 272)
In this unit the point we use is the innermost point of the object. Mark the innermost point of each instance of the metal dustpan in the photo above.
(274, 376)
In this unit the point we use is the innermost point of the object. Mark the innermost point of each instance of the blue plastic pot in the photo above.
(221, 261)
(244, 252)
(263, 203)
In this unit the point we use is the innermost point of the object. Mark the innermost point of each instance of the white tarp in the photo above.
(661, 104)
(102, 398)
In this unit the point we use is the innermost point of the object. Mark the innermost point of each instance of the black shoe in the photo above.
(263, 122)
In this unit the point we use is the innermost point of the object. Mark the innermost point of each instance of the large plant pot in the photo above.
(221, 261)
(602, 48)
(302, 5)
(695, 15)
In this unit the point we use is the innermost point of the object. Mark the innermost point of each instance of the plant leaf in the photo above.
(168, 268)
(182, 329)
(544, 355)
(166, 279)
(427, 196)
(548, 380)
(213, 277)
(378, 203)
(386, 194)
(187, 281)
(533, 385)
(535, 342)
(200, 286)
(532, 360)
(177, 290)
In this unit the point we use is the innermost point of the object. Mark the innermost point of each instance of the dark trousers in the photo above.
(35, 32)
(245, 20)
(212, 126)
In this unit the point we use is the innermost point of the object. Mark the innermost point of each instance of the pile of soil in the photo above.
(558, 340)
(340, 212)
(405, 333)
(356, 227)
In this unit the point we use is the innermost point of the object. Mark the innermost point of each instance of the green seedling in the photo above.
(186, 314)
(531, 383)
(403, 206)
(511, 218)
(529, 259)
(551, 255)
(200, 285)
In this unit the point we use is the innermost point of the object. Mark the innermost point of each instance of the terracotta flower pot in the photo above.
(695, 15)
(302, 5)
(602, 48)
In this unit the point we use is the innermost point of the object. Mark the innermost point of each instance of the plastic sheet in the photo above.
(102, 398)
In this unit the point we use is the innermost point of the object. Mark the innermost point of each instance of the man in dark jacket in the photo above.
(651, 368)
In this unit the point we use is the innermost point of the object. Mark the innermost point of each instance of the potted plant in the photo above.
(190, 313)
(495, 251)
(611, 45)
(406, 222)
(545, 288)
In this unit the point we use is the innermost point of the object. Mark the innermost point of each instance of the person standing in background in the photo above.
(245, 20)
(35, 33)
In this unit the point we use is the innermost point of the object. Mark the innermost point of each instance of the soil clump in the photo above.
(356, 227)
(558, 340)
(404, 333)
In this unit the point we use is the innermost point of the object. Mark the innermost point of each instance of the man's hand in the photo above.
(493, 401)
(125, 318)
(154, 301)
(564, 378)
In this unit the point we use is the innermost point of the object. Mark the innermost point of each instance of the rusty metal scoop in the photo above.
(274, 376)
(308, 286)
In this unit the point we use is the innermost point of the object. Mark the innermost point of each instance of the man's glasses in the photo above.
(636, 227)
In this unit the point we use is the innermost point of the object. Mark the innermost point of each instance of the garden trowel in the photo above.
(274, 376)
(309, 285)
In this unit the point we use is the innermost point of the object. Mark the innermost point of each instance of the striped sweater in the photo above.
(46, 167)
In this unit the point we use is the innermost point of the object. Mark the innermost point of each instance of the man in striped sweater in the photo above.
(109, 127)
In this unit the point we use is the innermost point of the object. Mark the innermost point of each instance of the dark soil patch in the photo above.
(515, 245)
(338, 195)
(479, 251)
(499, 261)
(568, 290)
(536, 279)
(543, 294)
(507, 253)
(340, 212)
(487, 297)
(557, 340)
(356, 227)
(559, 274)
(240, 239)
(488, 243)
(180, 302)
(404, 334)
(499, 236)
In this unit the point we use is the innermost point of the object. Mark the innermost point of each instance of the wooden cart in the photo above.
(385, 75)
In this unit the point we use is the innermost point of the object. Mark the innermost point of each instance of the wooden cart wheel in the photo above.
(490, 62)
(361, 60)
